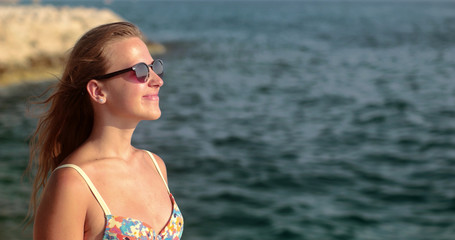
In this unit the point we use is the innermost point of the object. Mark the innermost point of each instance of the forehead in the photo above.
(126, 52)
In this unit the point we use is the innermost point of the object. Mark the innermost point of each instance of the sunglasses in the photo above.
(142, 71)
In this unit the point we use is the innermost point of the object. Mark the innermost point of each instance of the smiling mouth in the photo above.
(153, 97)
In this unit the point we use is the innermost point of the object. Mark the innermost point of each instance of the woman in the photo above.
(100, 186)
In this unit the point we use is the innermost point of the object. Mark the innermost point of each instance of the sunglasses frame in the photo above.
(133, 68)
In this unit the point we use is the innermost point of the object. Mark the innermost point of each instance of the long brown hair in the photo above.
(68, 121)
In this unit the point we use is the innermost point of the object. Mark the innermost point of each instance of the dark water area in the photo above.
(289, 120)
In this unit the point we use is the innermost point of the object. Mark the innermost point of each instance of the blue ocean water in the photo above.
(289, 120)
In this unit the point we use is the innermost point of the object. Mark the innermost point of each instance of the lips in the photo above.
(153, 97)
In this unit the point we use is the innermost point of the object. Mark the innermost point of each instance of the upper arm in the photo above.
(62, 210)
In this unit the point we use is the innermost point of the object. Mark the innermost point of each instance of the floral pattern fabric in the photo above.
(121, 228)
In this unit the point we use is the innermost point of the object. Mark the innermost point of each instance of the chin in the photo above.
(154, 116)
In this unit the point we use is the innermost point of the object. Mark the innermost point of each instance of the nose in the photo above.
(155, 80)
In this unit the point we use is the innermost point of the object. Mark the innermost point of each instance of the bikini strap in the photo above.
(158, 168)
(90, 185)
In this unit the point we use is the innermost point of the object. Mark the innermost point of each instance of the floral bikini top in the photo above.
(124, 228)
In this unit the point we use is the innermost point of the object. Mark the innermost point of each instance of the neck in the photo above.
(112, 140)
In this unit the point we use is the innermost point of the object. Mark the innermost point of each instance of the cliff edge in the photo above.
(34, 40)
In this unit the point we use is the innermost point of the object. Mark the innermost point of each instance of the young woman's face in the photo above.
(127, 97)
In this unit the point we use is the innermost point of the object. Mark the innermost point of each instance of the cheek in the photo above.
(127, 88)
(132, 95)
(126, 94)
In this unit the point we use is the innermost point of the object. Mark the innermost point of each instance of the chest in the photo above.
(142, 199)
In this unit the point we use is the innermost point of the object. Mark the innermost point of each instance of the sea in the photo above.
(318, 120)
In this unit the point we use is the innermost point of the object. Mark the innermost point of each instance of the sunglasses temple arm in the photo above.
(113, 74)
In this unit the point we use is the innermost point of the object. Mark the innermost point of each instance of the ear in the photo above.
(96, 91)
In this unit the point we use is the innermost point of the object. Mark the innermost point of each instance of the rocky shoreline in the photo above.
(35, 39)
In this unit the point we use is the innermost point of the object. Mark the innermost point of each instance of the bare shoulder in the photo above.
(161, 165)
(64, 184)
(66, 177)
(63, 206)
